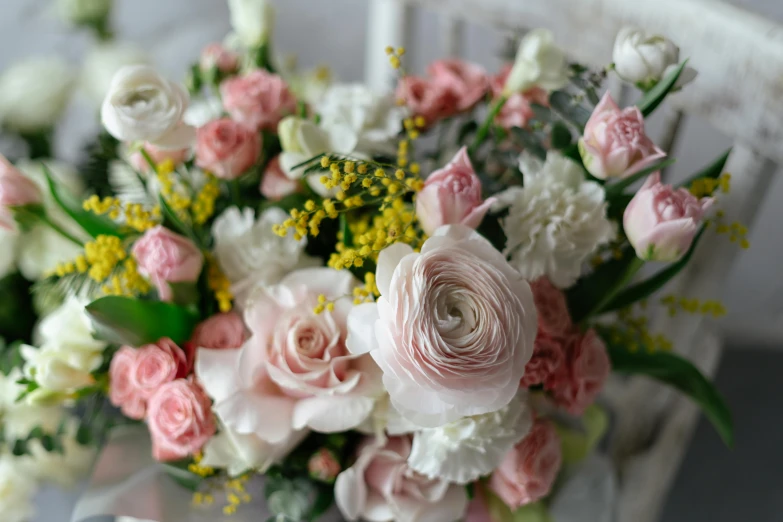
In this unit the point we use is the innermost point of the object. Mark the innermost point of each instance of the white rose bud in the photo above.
(642, 59)
(539, 63)
(84, 11)
(141, 105)
(34, 94)
(252, 21)
(102, 63)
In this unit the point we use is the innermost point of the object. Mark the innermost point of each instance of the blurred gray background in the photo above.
(715, 484)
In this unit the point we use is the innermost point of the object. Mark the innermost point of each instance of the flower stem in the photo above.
(236, 192)
(57, 228)
(483, 131)
(621, 283)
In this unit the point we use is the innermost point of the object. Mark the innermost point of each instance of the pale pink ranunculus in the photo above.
(123, 392)
(226, 148)
(467, 82)
(218, 56)
(661, 221)
(258, 99)
(166, 257)
(324, 466)
(553, 315)
(220, 332)
(518, 110)
(451, 196)
(275, 185)
(180, 420)
(15, 190)
(530, 468)
(156, 364)
(426, 98)
(547, 360)
(583, 373)
(614, 144)
(452, 330)
(381, 487)
(158, 157)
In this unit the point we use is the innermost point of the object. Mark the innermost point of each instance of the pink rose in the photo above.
(544, 366)
(15, 190)
(451, 196)
(661, 222)
(217, 56)
(158, 157)
(426, 98)
(179, 420)
(518, 110)
(583, 374)
(123, 392)
(166, 257)
(453, 329)
(380, 486)
(226, 148)
(275, 185)
(324, 466)
(467, 82)
(553, 315)
(528, 471)
(258, 99)
(614, 143)
(220, 332)
(156, 364)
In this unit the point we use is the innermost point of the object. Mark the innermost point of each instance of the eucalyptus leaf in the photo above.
(564, 104)
(529, 142)
(561, 136)
(655, 96)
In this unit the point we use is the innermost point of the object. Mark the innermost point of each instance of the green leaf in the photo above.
(346, 230)
(713, 170)
(93, 224)
(561, 136)
(643, 289)
(681, 374)
(529, 142)
(468, 128)
(563, 103)
(125, 320)
(655, 96)
(184, 478)
(171, 220)
(617, 188)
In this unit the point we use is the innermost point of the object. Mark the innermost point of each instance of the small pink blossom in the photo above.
(467, 82)
(518, 110)
(661, 221)
(218, 56)
(529, 469)
(123, 392)
(226, 148)
(258, 99)
(179, 420)
(452, 195)
(158, 156)
(15, 190)
(156, 364)
(614, 142)
(275, 185)
(324, 466)
(544, 366)
(583, 373)
(220, 332)
(426, 98)
(166, 257)
(553, 315)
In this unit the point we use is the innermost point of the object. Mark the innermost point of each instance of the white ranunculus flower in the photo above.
(539, 63)
(16, 490)
(101, 64)
(471, 447)
(375, 118)
(251, 254)
(34, 94)
(84, 11)
(141, 105)
(252, 21)
(555, 222)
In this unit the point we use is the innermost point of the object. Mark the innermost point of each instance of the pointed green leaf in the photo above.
(125, 320)
(561, 136)
(655, 96)
(713, 170)
(617, 188)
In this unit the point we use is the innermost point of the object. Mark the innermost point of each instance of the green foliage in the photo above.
(713, 170)
(655, 96)
(567, 106)
(17, 315)
(96, 158)
(617, 188)
(561, 136)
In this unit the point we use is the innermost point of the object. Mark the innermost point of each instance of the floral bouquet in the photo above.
(405, 304)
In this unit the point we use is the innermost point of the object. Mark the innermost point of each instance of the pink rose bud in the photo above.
(614, 143)
(518, 109)
(166, 257)
(180, 420)
(452, 195)
(426, 98)
(217, 56)
(15, 190)
(275, 185)
(324, 466)
(258, 99)
(583, 373)
(158, 156)
(661, 222)
(123, 392)
(226, 148)
(467, 82)
(528, 471)
(220, 332)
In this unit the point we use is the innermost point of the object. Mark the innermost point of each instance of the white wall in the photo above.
(332, 32)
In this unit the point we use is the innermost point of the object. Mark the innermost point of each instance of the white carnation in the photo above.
(16, 490)
(555, 222)
(34, 94)
(101, 64)
(471, 447)
(250, 253)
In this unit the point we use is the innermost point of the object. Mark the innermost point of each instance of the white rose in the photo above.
(70, 328)
(57, 371)
(141, 105)
(375, 118)
(84, 11)
(539, 63)
(252, 21)
(101, 64)
(639, 58)
(16, 490)
(34, 94)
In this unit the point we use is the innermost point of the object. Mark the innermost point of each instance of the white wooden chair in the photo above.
(739, 91)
